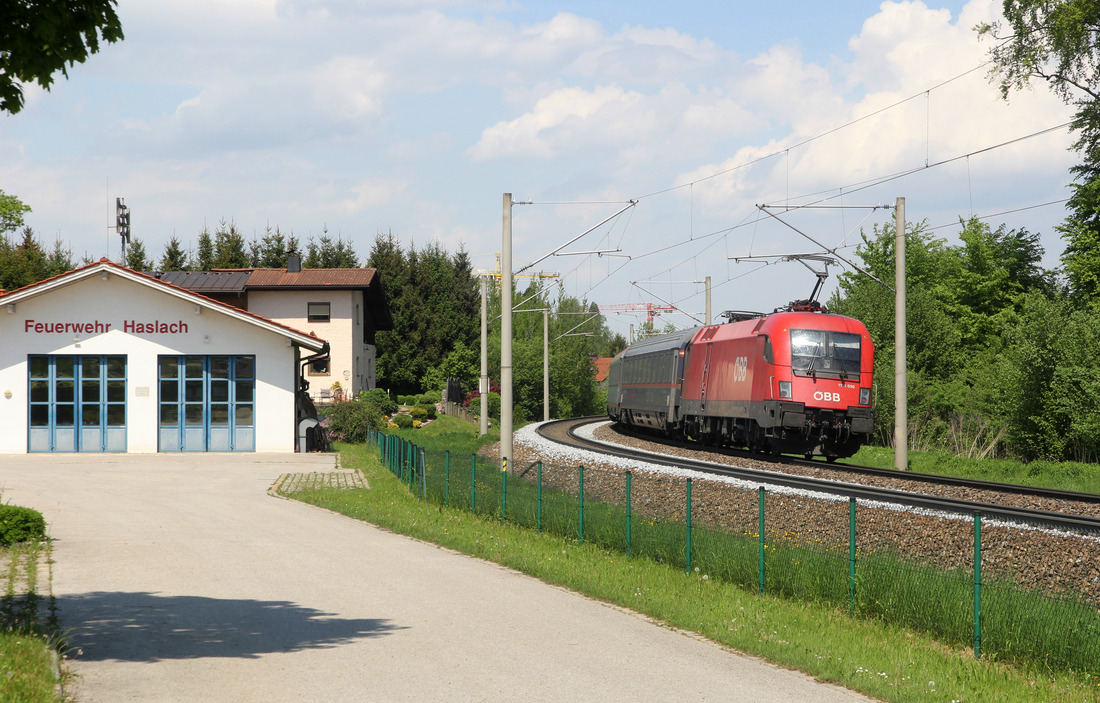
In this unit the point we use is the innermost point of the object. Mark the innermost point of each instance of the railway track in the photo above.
(1000, 501)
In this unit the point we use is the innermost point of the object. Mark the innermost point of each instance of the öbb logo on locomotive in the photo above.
(796, 381)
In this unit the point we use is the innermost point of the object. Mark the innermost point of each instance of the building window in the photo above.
(317, 312)
(318, 368)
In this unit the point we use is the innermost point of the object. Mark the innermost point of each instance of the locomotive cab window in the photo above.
(825, 352)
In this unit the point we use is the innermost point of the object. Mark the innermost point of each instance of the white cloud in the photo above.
(416, 115)
(372, 193)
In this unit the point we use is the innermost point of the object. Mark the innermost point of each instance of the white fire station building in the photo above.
(106, 359)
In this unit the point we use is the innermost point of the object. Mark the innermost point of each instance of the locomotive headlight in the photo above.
(864, 396)
(785, 389)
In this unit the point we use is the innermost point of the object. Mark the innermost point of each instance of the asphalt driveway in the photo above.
(180, 579)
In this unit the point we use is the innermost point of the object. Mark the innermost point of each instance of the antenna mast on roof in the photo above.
(122, 224)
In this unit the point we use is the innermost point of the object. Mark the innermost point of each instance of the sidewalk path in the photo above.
(180, 579)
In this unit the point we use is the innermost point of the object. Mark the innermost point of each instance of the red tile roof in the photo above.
(603, 364)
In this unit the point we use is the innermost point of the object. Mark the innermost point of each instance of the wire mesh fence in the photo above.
(1012, 590)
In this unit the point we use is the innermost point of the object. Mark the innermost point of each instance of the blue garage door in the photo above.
(77, 403)
(207, 403)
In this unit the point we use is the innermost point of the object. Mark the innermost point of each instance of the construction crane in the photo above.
(650, 309)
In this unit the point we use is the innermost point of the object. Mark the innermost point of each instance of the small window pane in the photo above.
(65, 391)
(245, 367)
(169, 415)
(193, 415)
(65, 367)
(193, 392)
(194, 367)
(40, 367)
(89, 391)
(89, 415)
(40, 416)
(169, 391)
(219, 391)
(64, 415)
(219, 415)
(244, 391)
(116, 367)
(116, 391)
(169, 367)
(244, 416)
(116, 414)
(219, 367)
(40, 391)
(89, 367)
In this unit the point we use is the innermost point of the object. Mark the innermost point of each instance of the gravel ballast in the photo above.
(1031, 556)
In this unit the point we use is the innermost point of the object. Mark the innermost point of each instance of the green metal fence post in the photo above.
(447, 478)
(851, 556)
(538, 501)
(473, 483)
(977, 585)
(687, 564)
(580, 526)
(762, 545)
(628, 513)
(423, 474)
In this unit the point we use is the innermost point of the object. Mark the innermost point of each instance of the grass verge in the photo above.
(1061, 475)
(882, 661)
(29, 627)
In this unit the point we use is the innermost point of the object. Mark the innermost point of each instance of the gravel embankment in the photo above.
(1031, 556)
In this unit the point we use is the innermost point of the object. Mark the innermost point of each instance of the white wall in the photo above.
(343, 331)
(114, 301)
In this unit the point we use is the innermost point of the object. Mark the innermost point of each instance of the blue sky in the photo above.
(413, 117)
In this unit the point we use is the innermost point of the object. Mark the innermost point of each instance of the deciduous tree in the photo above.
(38, 39)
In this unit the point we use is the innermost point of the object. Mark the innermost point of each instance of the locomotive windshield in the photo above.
(824, 352)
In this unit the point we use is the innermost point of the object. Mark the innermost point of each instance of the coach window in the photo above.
(318, 312)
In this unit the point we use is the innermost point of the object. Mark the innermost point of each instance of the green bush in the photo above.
(352, 421)
(403, 421)
(418, 413)
(430, 398)
(379, 399)
(19, 524)
(494, 405)
(428, 409)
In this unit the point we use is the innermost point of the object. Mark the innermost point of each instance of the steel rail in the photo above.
(977, 484)
(1047, 518)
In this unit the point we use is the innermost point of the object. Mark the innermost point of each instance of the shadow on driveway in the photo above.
(146, 627)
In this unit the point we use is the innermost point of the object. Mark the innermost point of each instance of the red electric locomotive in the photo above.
(796, 381)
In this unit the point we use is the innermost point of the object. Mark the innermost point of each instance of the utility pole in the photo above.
(901, 410)
(506, 335)
(484, 386)
(546, 365)
(708, 318)
(496, 275)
